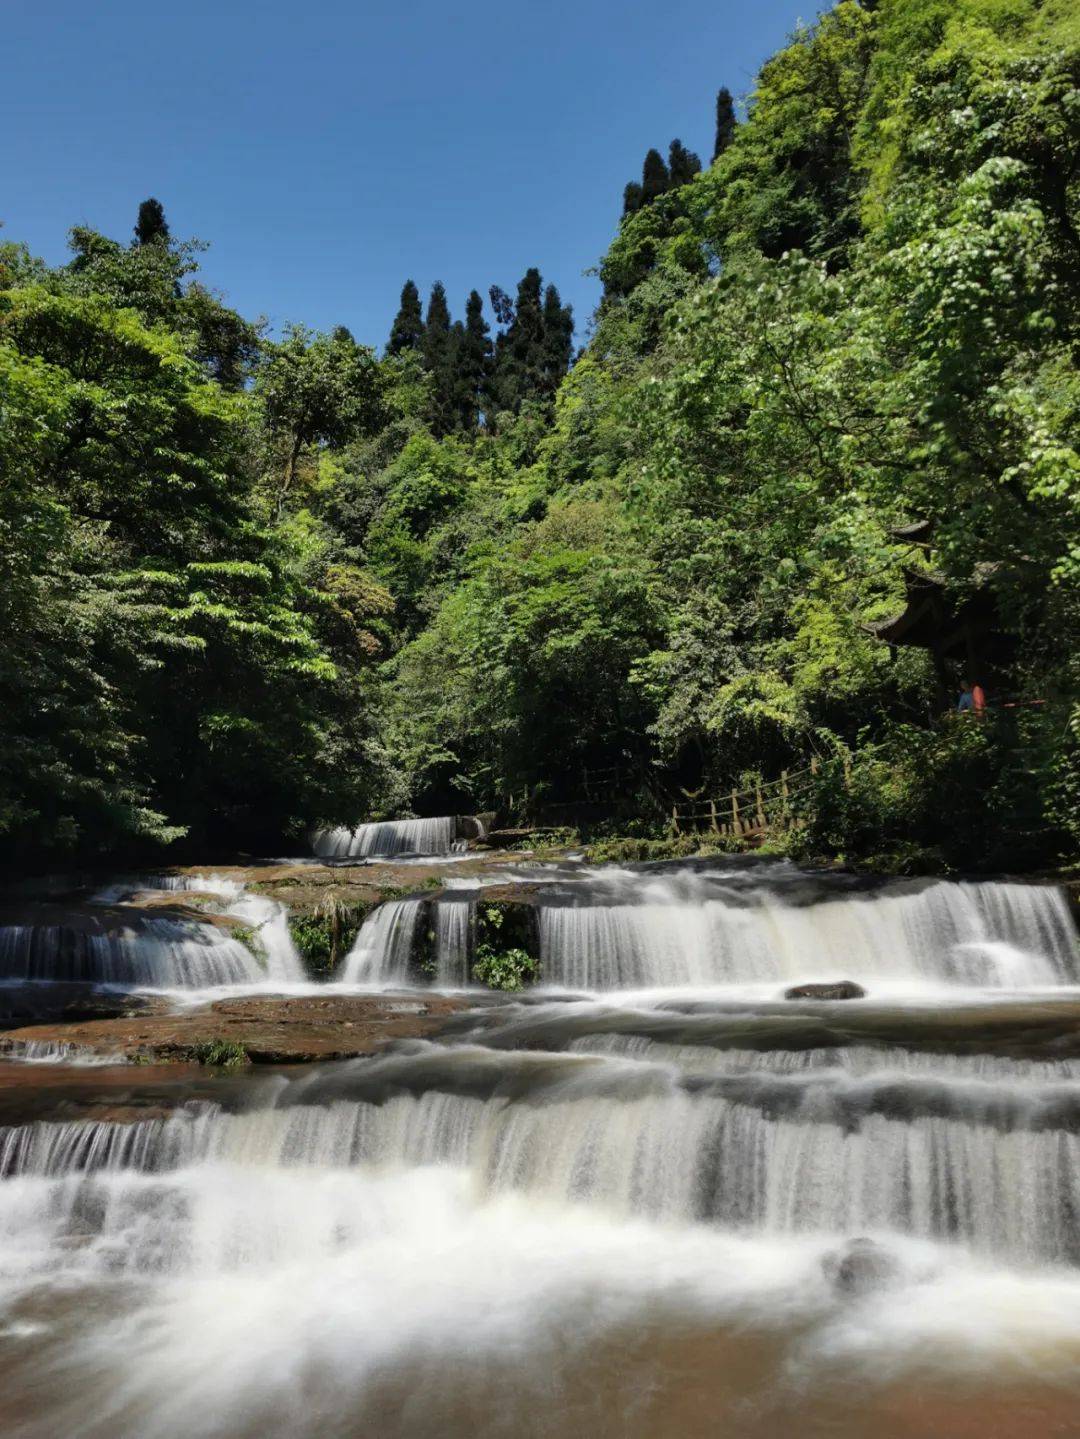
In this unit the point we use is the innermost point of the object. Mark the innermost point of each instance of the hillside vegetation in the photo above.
(253, 584)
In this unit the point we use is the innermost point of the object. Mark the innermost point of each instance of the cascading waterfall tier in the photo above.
(388, 951)
(266, 919)
(126, 946)
(633, 931)
(453, 922)
(382, 951)
(929, 1155)
(152, 952)
(664, 1166)
(775, 926)
(387, 838)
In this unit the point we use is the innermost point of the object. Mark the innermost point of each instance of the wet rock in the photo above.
(268, 1029)
(843, 989)
(71, 1002)
(860, 1267)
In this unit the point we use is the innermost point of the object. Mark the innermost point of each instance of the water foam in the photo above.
(387, 838)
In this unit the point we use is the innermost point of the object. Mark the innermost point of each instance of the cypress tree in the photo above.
(683, 164)
(558, 339)
(502, 305)
(631, 198)
(438, 356)
(472, 364)
(407, 332)
(437, 323)
(654, 176)
(519, 351)
(151, 224)
(725, 122)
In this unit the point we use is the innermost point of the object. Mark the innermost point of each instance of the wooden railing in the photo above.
(754, 810)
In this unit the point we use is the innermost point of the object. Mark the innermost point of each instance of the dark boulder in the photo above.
(860, 1267)
(843, 989)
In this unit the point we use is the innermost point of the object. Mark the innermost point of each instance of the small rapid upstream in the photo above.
(651, 1197)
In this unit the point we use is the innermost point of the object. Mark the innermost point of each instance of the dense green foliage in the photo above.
(324, 936)
(254, 585)
(508, 969)
(173, 662)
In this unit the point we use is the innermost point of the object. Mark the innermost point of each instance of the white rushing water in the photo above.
(382, 951)
(692, 929)
(532, 1226)
(387, 838)
(291, 1303)
(453, 922)
(679, 929)
(434, 1220)
(265, 918)
(147, 950)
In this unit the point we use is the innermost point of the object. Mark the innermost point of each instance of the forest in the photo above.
(254, 583)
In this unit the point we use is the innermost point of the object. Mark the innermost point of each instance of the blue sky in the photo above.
(328, 151)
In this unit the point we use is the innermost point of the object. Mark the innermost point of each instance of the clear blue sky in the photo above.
(328, 151)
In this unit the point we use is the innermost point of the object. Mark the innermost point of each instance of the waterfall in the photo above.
(266, 918)
(568, 1199)
(270, 922)
(161, 953)
(387, 838)
(126, 886)
(44, 1051)
(453, 922)
(382, 951)
(691, 930)
(626, 930)
(948, 1162)
(856, 1059)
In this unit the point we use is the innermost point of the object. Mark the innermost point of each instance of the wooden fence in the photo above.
(752, 811)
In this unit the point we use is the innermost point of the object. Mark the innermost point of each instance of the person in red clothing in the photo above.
(972, 697)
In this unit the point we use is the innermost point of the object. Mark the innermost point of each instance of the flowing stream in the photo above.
(388, 837)
(652, 1197)
(122, 945)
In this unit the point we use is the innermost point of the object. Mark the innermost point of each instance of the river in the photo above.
(650, 1197)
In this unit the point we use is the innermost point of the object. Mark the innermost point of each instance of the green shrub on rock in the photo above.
(506, 969)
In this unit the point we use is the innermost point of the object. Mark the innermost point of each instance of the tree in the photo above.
(558, 340)
(316, 389)
(632, 198)
(407, 332)
(161, 673)
(683, 164)
(788, 181)
(151, 225)
(655, 179)
(472, 364)
(440, 353)
(502, 306)
(225, 343)
(519, 350)
(725, 122)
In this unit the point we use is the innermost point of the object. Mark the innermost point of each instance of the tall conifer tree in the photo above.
(473, 365)
(558, 339)
(654, 176)
(519, 351)
(683, 164)
(151, 224)
(725, 122)
(631, 199)
(407, 332)
(438, 353)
